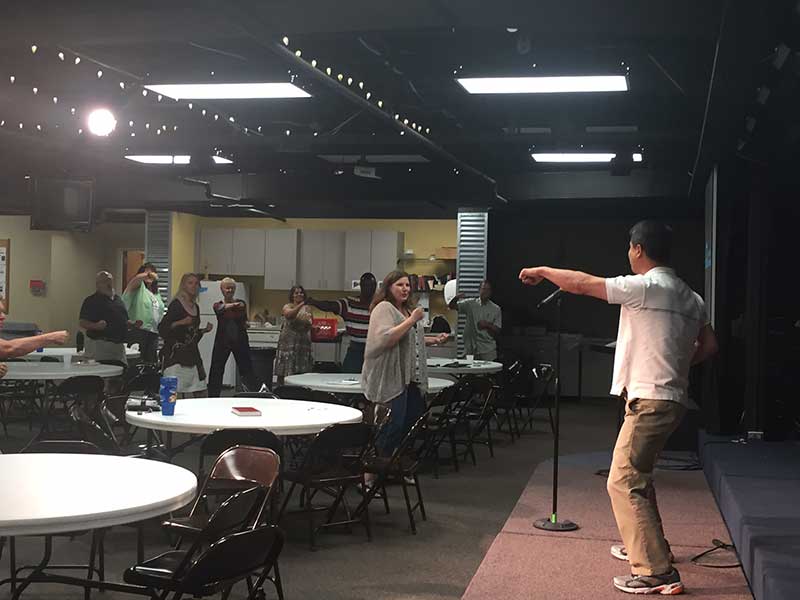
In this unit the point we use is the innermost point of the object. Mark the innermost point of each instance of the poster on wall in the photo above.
(4, 267)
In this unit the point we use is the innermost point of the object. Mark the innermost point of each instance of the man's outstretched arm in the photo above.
(574, 282)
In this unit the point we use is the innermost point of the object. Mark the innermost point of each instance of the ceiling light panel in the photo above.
(578, 157)
(544, 85)
(160, 159)
(221, 160)
(228, 91)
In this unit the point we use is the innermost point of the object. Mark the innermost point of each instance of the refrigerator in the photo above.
(209, 294)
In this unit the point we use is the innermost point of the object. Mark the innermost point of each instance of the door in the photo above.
(248, 252)
(280, 259)
(216, 249)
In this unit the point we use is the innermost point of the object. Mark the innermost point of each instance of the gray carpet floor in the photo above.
(466, 510)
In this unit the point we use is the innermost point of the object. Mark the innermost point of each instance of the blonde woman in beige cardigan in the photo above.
(395, 374)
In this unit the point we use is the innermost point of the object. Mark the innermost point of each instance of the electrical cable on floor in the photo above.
(718, 545)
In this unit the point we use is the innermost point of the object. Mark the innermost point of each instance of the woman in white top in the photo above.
(395, 374)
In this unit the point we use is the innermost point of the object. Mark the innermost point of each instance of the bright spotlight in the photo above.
(101, 122)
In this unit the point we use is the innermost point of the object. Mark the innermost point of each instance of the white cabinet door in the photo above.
(357, 256)
(280, 259)
(248, 252)
(333, 261)
(216, 249)
(312, 248)
(386, 249)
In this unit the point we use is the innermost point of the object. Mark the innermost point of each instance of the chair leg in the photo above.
(489, 440)
(552, 423)
(286, 501)
(453, 450)
(419, 498)
(101, 547)
(12, 563)
(408, 507)
(87, 591)
(311, 531)
(365, 516)
(276, 580)
(385, 498)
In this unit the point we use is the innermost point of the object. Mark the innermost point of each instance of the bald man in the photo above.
(104, 318)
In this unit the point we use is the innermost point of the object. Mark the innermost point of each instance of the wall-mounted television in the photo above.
(63, 204)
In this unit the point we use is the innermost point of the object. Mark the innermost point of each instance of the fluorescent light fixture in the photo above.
(228, 91)
(544, 85)
(221, 160)
(160, 159)
(578, 157)
(612, 129)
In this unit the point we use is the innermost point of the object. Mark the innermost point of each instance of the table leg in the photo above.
(48, 552)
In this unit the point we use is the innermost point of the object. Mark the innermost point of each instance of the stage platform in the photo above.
(524, 562)
(757, 486)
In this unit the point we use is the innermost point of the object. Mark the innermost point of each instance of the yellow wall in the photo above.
(423, 236)
(182, 246)
(67, 262)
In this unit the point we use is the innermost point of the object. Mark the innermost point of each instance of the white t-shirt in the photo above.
(660, 319)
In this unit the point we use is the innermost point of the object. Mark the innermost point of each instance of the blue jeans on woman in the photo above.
(406, 409)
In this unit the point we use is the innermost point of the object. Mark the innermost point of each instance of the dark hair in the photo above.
(148, 266)
(655, 238)
(383, 292)
(295, 288)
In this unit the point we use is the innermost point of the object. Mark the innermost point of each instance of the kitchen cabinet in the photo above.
(322, 259)
(248, 252)
(376, 252)
(225, 251)
(280, 259)
(216, 250)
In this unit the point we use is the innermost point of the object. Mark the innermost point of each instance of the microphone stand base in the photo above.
(551, 525)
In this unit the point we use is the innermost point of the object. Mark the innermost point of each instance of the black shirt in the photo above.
(99, 307)
(231, 325)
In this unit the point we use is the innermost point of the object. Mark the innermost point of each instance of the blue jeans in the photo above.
(406, 409)
(354, 359)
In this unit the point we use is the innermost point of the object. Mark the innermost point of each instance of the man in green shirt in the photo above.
(144, 303)
(484, 322)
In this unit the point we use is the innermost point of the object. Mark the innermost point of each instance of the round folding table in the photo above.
(59, 352)
(459, 367)
(349, 383)
(45, 494)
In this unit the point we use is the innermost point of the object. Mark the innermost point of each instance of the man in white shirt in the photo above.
(663, 330)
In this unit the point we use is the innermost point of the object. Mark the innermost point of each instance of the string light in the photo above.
(316, 133)
(285, 41)
(203, 112)
(158, 132)
(20, 125)
(328, 71)
(369, 95)
(174, 128)
(99, 73)
(340, 77)
(55, 99)
(231, 119)
(147, 125)
(349, 81)
(259, 129)
(288, 132)
(164, 127)
(427, 130)
(122, 85)
(35, 91)
(80, 131)
(314, 62)
(77, 60)
(34, 48)
(405, 121)
(191, 106)
(12, 79)
(2, 123)
(298, 53)
(413, 126)
(160, 97)
(144, 92)
(130, 123)
(380, 103)
(361, 85)
(402, 133)
(396, 117)
(216, 117)
(133, 134)
(60, 56)
(38, 127)
(72, 110)
(212, 73)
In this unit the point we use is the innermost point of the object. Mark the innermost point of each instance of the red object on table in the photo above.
(246, 411)
(323, 330)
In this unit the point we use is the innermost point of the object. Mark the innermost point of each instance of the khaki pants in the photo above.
(645, 430)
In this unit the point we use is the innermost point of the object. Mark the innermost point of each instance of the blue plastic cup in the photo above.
(169, 395)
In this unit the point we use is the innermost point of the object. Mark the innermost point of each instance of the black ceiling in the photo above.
(408, 55)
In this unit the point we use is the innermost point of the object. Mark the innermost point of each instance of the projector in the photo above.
(366, 172)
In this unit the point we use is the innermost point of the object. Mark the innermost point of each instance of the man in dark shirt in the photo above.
(105, 319)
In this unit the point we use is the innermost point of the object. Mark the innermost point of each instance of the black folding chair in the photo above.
(332, 464)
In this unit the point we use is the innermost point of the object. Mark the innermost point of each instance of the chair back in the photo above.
(294, 392)
(248, 463)
(61, 447)
(146, 381)
(543, 377)
(335, 446)
(92, 432)
(233, 558)
(233, 515)
(82, 387)
(324, 397)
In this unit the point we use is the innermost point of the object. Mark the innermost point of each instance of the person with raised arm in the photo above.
(18, 347)
(664, 329)
(144, 303)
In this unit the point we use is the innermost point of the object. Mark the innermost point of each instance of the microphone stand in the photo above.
(552, 523)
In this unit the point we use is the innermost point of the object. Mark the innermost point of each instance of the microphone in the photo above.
(551, 298)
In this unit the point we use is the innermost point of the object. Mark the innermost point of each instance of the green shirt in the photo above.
(479, 341)
(145, 306)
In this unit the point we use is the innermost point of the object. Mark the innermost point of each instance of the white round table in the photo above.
(57, 493)
(349, 383)
(460, 367)
(39, 371)
(281, 417)
(60, 352)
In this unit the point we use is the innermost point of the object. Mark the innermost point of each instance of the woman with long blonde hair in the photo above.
(180, 329)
